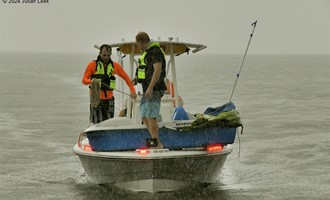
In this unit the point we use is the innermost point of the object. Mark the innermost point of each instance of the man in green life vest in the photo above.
(151, 74)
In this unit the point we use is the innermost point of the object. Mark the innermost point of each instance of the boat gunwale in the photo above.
(151, 156)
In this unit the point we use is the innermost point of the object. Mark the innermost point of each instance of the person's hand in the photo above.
(134, 95)
(134, 81)
(148, 94)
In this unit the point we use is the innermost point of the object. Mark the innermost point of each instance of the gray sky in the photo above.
(284, 26)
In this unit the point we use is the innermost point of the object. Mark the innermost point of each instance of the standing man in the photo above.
(151, 74)
(100, 75)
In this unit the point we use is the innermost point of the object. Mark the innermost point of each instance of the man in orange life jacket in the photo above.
(103, 70)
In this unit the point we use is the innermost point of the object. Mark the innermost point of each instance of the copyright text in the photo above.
(26, 1)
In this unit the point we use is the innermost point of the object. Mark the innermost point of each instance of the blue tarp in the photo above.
(224, 108)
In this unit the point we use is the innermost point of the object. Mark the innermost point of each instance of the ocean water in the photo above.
(283, 101)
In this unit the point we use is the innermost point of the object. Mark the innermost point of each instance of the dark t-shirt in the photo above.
(153, 56)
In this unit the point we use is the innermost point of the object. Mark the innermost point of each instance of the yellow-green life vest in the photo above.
(108, 80)
(141, 71)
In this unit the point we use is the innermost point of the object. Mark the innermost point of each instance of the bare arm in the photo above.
(157, 70)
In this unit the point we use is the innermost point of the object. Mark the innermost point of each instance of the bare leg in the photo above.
(154, 130)
(145, 122)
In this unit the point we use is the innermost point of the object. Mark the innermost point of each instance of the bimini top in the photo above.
(178, 47)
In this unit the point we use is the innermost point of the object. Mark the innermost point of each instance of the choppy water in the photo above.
(283, 101)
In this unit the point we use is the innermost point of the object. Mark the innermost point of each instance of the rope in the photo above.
(117, 90)
(239, 144)
(123, 92)
(95, 93)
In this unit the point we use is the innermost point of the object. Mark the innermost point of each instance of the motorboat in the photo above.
(195, 145)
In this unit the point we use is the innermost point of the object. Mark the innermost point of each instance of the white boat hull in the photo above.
(155, 171)
(154, 185)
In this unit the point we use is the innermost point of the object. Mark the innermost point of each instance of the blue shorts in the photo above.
(150, 108)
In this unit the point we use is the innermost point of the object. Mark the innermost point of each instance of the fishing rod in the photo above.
(237, 76)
